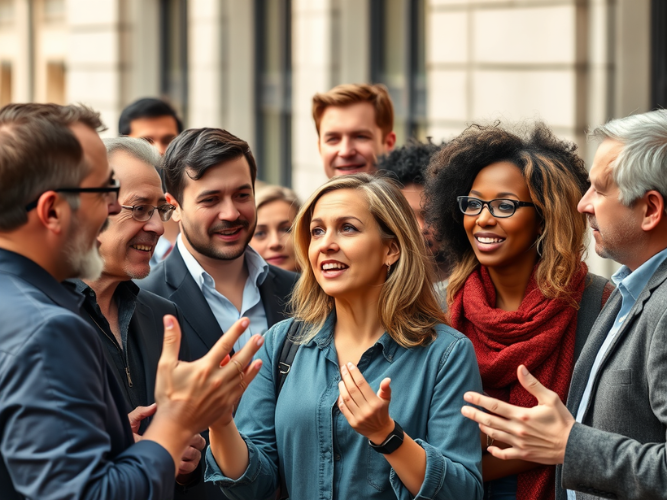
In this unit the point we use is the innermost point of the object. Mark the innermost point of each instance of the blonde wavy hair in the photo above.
(408, 308)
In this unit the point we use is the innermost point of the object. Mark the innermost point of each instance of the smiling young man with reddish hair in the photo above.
(354, 125)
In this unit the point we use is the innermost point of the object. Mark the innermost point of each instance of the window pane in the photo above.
(174, 80)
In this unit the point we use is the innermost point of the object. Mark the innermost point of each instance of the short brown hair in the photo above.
(197, 150)
(408, 308)
(38, 153)
(351, 93)
(269, 193)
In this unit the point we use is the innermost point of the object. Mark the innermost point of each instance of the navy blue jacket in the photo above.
(63, 420)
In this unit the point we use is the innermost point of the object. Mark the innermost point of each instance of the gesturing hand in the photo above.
(537, 434)
(136, 416)
(366, 412)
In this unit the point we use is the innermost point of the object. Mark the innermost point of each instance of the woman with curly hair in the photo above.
(507, 207)
(370, 332)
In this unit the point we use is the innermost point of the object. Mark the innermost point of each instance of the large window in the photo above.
(273, 90)
(174, 54)
(659, 54)
(398, 59)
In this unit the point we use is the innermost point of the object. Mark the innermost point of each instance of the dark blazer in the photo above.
(172, 280)
(619, 451)
(65, 432)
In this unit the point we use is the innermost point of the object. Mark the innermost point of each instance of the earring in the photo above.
(538, 246)
(388, 267)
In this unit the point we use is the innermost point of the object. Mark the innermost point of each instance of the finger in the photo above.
(225, 360)
(500, 436)
(249, 374)
(491, 404)
(360, 382)
(345, 410)
(190, 454)
(349, 402)
(171, 344)
(385, 390)
(507, 453)
(245, 355)
(198, 442)
(351, 387)
(225, 344)
(532, 385)
(488, 420)
(138, 414)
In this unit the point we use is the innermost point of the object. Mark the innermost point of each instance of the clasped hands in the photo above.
(366, 412)
(538, 434)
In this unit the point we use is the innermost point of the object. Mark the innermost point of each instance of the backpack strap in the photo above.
(592, 302)
(287, 355)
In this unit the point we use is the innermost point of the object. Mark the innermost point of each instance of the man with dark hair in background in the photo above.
(65, 429)
(408, 165)
(157, 122)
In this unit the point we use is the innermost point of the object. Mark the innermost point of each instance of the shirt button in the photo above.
(336, 457)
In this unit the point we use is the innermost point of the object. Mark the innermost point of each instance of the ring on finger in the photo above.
(238, 367)
(243, 385)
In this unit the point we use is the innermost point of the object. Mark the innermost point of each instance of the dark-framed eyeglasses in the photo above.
(500, 208)
(144, 212)
(111, 193)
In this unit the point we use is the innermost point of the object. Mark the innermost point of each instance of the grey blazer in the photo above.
(619, 451)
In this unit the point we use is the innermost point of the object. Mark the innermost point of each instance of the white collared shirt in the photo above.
(224, 311)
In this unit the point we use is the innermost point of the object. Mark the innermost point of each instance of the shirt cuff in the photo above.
(213, 473)
(433, 477)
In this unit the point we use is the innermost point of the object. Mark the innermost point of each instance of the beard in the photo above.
(83, 257)
(612, 241)
(204, 244)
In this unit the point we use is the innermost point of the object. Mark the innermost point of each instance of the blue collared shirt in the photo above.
(323, 457)
(224, 311)
(630, 285)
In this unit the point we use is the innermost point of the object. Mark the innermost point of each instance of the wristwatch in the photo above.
(392, 443)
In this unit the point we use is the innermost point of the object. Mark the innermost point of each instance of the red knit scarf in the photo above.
(540, 335)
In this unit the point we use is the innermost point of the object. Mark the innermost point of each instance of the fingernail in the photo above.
(524, 370)
(351, 366)
(467, 396)
(245, 322)
(343, 369)
(258, 364)
(260, 341)
(169, 323)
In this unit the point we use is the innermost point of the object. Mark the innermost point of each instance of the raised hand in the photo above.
(366, 412)
(537, 434)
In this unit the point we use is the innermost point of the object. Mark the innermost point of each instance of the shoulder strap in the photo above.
(287, 355)
(589, 309)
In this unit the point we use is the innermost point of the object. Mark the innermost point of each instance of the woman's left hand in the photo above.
(365, 411)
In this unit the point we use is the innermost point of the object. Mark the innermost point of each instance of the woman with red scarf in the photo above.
(506, 206)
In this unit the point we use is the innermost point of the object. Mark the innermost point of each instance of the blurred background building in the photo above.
(252, 66)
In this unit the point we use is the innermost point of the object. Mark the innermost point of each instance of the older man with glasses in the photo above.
(127, 320)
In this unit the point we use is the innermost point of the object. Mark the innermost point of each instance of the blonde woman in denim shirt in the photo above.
(375, 356)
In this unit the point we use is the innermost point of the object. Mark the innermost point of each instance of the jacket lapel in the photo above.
(584, 364)
(658, 277)
(190, 299)
(148, 345)
(268, 295)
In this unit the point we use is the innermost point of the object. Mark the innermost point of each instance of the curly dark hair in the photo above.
(408, 164)
(556, 178)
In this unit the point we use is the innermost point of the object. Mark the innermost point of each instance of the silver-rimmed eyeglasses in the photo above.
(143, 213)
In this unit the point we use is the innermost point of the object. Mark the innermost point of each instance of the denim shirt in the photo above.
(323, 457)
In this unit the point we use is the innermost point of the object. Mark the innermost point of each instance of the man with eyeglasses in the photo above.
(65, 429)
(127, 320)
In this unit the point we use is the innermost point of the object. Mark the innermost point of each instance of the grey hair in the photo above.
(642, 163)
(139, 149)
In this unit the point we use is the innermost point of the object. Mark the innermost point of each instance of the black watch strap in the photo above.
(392, 443)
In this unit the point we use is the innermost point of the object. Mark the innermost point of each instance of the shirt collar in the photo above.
(258, 269)
(126, 288)
(633, 282)
(37, 276)
(325, 337)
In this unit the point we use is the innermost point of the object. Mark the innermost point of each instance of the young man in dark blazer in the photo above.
(609, 442)
(212, 274)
